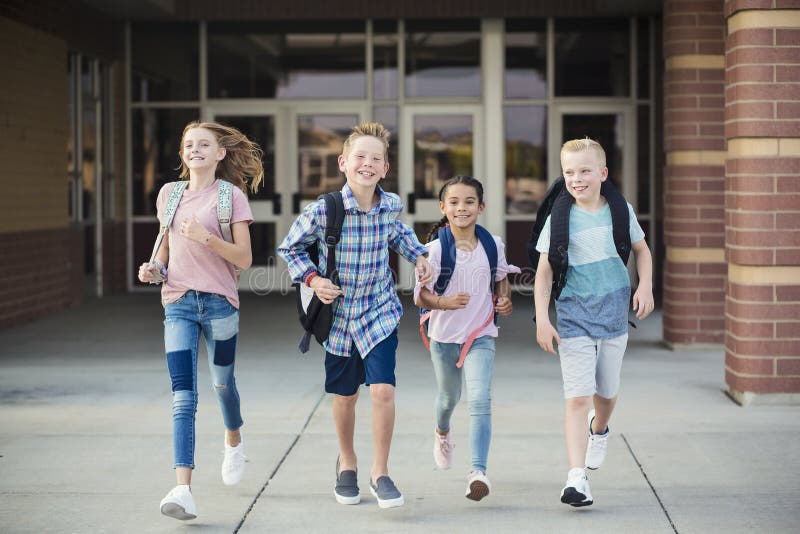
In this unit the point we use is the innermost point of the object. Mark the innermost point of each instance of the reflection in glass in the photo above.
(287, 60)
(423, 228)
(155, 141)
(320, 139)
(443, 58)
(88, 152)
(384, 52)
(262, 131)
(592, 58)
(526, 58)
(608, 131)
(526, 158)
(387, 115)
(442, 149)
(164, 62)
(643, 57)
(262, 240)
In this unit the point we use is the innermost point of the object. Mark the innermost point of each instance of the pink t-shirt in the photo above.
(471, 275)
(192, 265)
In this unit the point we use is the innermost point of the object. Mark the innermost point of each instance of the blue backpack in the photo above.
(447, 267)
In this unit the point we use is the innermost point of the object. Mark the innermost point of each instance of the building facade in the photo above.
(696, 102)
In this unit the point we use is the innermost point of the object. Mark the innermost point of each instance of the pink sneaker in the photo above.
(443, 449)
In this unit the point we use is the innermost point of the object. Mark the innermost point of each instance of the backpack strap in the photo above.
(169, 213)
(544, 210)
(620, 219)
(490, 247)
(334, 210)
(225, 209)
(559, 240)
(447, 263)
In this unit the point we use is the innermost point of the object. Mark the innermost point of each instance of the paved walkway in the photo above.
(85, 446)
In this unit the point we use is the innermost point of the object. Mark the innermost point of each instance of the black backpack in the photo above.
(316, 318)
(557, 203)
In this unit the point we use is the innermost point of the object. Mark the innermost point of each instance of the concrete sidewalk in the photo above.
(85, 437)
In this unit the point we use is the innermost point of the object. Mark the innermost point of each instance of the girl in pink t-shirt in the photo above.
(198, 270)
(461, 321)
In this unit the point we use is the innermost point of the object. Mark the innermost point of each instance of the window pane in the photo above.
(260, 129)
(526, 158)
(592, 57)
(526, 59)
(517, 235)
(643, 57)
(443, 58)
(155, 142)
(643, 159)
(320, 141)
(263, 243)
(384, 52)
(442, 149)
(287, 60)
(387, 115)
(164, 62)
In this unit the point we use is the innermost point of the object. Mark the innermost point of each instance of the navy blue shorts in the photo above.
(343, 375)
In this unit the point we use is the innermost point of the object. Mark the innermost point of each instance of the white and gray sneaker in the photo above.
(597, 447)
(576, 492)
(179, 503)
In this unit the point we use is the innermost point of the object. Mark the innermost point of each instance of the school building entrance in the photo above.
(695, 103)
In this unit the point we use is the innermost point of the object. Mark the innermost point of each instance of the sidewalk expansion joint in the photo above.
(277, 467)
(652, 488)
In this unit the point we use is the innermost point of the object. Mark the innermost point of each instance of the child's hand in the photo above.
(643, 302)
(545, 333)
(149, 273)
(325, 289)
(503, 306)
(424, 270)
(455, 302)
(194, 230)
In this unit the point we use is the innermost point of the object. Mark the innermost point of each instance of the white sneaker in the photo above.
(443, 450)
(233, 464)
(597, 448)
(576, 492)
(478, 486)
(179, 503)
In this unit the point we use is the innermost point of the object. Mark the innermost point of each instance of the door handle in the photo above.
(411, 203)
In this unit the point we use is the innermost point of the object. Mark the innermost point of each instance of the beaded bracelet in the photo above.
(309, 277)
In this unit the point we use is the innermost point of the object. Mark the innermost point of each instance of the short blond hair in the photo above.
(582, 145)
(368, 129)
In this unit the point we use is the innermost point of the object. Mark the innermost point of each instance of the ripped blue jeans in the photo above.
(185, 319)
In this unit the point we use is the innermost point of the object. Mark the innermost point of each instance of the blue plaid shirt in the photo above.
(369, 309)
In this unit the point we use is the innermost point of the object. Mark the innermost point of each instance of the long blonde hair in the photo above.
(241, 165)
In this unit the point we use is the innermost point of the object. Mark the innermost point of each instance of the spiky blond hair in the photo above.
(367, 129)
(582, 145)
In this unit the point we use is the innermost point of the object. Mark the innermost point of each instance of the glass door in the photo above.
(437, 143)
(269, 219)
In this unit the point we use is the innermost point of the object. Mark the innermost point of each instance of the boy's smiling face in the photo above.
(583, 176)
(365, 164)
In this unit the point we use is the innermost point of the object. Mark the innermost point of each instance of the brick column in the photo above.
(694, 176)
(762, 210)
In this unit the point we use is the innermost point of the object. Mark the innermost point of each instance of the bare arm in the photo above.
(542, 287)
(643, 302)
(431, 301)
(502, 294)
(238, 253)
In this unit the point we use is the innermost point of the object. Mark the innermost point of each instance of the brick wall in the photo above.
(694, 176)
(762, 126)
(41, 253)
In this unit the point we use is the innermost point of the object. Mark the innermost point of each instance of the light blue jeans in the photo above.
(185, 319)
(477, 370)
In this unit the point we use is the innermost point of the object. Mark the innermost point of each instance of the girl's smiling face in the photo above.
(201, 150)
(461, 206)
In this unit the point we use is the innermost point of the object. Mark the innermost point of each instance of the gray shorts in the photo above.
(590, 366)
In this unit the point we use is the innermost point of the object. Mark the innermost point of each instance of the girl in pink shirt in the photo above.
(461, 326)
(198, 270)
